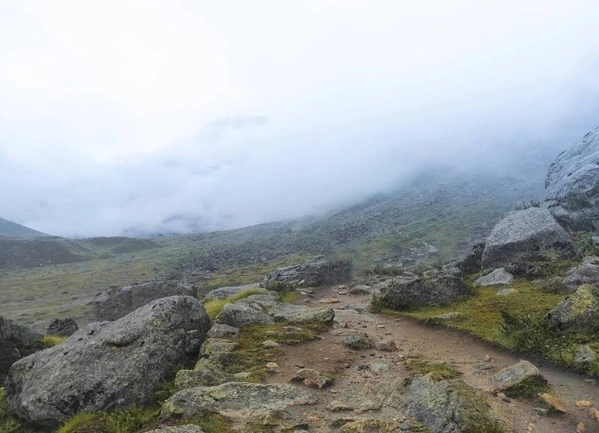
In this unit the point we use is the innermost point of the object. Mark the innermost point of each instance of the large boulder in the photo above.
(498, 276)
(235, 400)
(16, 341)
(579, 310)
(315, 273)
(108, 365)
(118, 302)
(525, 235)
(422, 292)
(572, 185)
(585, 273)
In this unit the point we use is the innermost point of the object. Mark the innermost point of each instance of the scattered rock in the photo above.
(525, 235)
(421, 292)
(315, 273)
(118, 302)
(579, 310)
(238, 315)
(189, 428)
(370, 406)
(358, 341)
(235, 399)
(385, 346)
(338, 406)
(553, 403)
(270, 344)
(225, 292)
(506, 292)
(585, 273)
(272, 367)
(16, 341)
(498, 276)
(312, 378)
(572, 195)
(64, 327)
(108, 365)
(585, 355)
(329, 301)
(379, 367)
(519, 379)
(220, 330)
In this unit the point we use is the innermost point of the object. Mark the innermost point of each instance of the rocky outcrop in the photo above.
(498, 276)
(472, 263)
(315, 273)
(447, 406)
(16, 341)
(235, 399)
(519, 378)
(64, 327)
(108, 365)
(525, 235)
(118, 302)
(585, 273)
(225, 292)
(572, 185)
(420, 292)
(579, 310)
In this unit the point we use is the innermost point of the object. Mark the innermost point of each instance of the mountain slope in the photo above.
(9, 229)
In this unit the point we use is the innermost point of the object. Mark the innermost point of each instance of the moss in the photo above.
(130, 420)
(52, 340)
(81, 422)
(290, 297)
(529, 388)
(210, 423)
(8, 424)
(438, 371)
(214, 306)
(475, 412)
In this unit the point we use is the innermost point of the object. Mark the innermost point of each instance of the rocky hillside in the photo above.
(9, 229)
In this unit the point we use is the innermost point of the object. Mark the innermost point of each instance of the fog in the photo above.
(147, 116)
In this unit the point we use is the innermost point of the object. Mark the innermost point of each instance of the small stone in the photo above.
(312, 378)
(385, 346)
(541, 410)
(338, 406)
(506, 292)
(580, 428)
(270, 344)
(272, 367)
(329, 301)
(554, 404)
(449, 316)
(585, 355)
(379, 367)
(357, 341)
(584, 403)
(370, 406)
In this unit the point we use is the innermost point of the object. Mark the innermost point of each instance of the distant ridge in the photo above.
(9, 229)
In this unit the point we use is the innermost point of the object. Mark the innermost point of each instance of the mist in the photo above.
(135, 117)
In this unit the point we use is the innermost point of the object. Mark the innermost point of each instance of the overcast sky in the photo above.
(120, 115)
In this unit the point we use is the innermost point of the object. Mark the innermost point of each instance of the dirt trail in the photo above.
(364, 377)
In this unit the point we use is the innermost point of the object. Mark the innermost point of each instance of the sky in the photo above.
(147, 116)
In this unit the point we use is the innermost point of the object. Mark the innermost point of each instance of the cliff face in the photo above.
(572, 185)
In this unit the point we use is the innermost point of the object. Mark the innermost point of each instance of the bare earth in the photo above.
(362, 389)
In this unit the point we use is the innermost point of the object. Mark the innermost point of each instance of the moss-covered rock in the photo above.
(579, 310)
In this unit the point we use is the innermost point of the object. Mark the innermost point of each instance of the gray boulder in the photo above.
(219, 330)
(585, 273)
(572, 185)
(421, 292)
(235, 400)
(64, 327)
(585, 355)
(447, 406)
(16, 341)
(108, 365)
(118, 302)
(498, 276)
(238, 315)
(525, 235)
(579, 310)
(315, 273)
(225, 292)
(300, 314)
(205, 373)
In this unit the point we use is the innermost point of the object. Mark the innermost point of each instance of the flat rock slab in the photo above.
(236, 400)
(301, 315)
(498, 276)
(238, 315)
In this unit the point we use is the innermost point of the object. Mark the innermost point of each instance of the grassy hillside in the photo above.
(9, 229)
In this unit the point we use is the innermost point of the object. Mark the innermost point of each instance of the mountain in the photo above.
(9, 229)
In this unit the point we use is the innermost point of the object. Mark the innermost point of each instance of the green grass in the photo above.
(53, 340)
(438, 371)
(131, 420)
(7, 423)
(214, 306)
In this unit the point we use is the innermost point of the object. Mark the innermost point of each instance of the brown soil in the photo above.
(356, 382)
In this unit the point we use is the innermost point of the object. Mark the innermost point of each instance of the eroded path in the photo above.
(366, 380)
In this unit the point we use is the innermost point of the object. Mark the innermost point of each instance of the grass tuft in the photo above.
(438, 371)
(52, 340)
